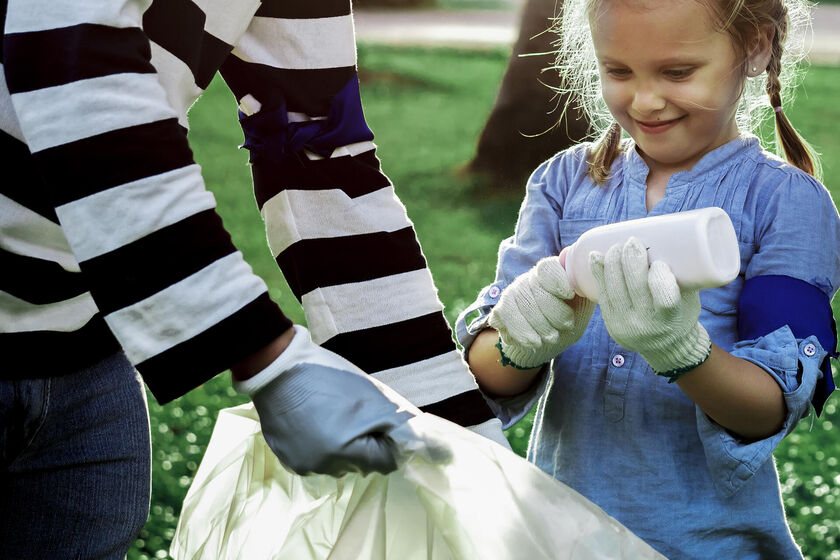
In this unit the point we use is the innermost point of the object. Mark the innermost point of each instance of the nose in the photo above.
(647, 100)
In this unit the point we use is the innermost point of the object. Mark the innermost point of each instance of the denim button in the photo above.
(809, 349)
(494, 292)
(618, 360)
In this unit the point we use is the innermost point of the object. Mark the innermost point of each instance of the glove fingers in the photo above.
(311, 413)
(552, 277)
(520, 315)
(634, 262)
(615, 285)
(367, 447)
(550, 288)
(556, 312)
(512, 325)
(533, 317)
(536, 306)
(370, 453)
(596, 267)
(582, 309)
(663, 287)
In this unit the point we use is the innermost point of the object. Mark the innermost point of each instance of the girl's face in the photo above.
(669, 78)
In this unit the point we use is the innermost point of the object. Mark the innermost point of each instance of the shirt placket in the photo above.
(619, 366)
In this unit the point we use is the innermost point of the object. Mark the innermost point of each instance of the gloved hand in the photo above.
(646, 311)
(320, 414)
(539, 315)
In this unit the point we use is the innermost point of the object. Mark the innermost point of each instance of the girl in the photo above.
(663, 405)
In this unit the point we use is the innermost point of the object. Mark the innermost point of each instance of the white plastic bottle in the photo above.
(699, 245)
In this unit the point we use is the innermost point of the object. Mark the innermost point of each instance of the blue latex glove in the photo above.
(321, 414)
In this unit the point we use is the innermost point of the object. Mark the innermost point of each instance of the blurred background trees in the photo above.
(527, 124)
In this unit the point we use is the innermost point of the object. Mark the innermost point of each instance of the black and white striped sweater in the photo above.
(108, 236)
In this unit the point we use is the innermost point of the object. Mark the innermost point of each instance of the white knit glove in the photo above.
(646, 312)
(539, 315)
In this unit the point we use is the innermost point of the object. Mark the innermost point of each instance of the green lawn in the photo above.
(427, 108)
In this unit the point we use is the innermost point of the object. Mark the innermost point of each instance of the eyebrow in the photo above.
(670, 61)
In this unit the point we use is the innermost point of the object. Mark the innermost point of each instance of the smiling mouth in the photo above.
(656, 127)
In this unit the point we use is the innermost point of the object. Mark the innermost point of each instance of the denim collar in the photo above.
(718, 161)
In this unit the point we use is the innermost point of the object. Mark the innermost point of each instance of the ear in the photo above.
(760, 50)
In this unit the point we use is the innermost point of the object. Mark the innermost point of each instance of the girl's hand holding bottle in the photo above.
(539, 315)
(645, 310)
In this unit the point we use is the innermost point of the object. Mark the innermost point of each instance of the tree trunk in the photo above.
(523, 129)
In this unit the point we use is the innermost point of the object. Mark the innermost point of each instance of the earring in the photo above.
(755, 69)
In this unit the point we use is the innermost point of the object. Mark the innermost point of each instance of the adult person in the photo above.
(114, 258)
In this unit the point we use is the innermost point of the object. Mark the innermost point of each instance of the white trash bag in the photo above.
(456, 496)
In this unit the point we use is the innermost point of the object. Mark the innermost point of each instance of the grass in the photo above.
(427, 108)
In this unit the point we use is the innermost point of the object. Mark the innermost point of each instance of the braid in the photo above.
(604, 154)
(796, 150)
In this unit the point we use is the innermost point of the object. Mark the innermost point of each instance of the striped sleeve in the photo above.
(44, 302)
(334, 223)
(119, 174)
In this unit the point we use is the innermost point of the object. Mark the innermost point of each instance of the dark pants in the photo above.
(75, 465)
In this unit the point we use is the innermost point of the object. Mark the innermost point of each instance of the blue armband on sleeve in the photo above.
(770, 302)
(270, 134)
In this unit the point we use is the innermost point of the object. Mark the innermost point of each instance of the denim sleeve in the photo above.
(509, 410)
(536, 236)
(795, 365)
(797, 232)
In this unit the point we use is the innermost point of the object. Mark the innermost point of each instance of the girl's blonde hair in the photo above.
(762, 95)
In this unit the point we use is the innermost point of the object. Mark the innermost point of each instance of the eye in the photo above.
(617, 72)
(679, 73)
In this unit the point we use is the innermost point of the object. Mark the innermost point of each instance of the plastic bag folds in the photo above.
(456, 496)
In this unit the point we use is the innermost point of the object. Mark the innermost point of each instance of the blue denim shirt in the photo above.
(605, 423)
